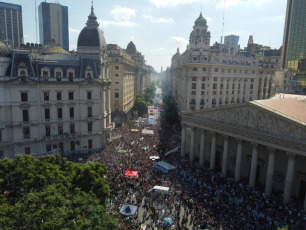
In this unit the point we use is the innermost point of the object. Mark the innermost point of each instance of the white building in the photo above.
(50, 99)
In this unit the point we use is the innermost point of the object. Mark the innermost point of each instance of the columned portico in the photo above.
(191, 158)
(213, 151)
(238, 160)
(270, 171)
(225, 156)
(183, 141)
(252, 178)
(202, 148)
(289, 178)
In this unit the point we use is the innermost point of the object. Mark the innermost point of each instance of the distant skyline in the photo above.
(158, 27)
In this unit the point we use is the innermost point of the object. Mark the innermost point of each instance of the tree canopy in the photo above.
(170, 112)
(53, 193)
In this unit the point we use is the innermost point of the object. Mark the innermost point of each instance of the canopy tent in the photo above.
(146, 131)
(171, 151)
(154, 157)
(164, 166)
(128, 210)
(168, 221)
(130, 173)
(161, 189)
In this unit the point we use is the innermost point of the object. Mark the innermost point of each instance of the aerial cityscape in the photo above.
(186, 114)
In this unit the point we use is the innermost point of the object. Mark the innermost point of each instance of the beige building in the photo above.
(263, 141)
(207, 76)
(122, 71)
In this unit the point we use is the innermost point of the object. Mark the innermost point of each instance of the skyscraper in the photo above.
(294, 42)
(11, 30)
(53, 24)
(231, 42)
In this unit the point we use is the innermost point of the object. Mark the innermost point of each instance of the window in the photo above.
(89, 127)
(116, 67)
(60, 129)
(116, 60)
(48, 147)
(24, 96)
(48, 131)
(202, 92)
(59, 96)
(25, 115)
(215, 79)
(58, 76)
(45, 75)
(90, 143)
(203, 85)
(46, 96)
(251, 86)
(116, 102)
(59, 113)
(203, 78)
(47, 114)
(215, 86)
(26, 132)
(193, 92)
(216, 70)
(222, 70)
(89, 95)
(71, 128)
(70, 95)
(89, 111)
(27, 150)
(194, 85)
(116, 75)
(194, 69)
(245, 71)
(194, 78)
(70, 76)
(71, 112)
(204, 69)
(61, 146)
(116, 95)
(72, 145)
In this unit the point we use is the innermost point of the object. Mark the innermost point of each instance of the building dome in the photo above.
(131, 48)
(4, 51)
(200, 21)
(91, 35)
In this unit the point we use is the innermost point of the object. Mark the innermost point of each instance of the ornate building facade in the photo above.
(207, 76)
(262, 141)
(55, 100)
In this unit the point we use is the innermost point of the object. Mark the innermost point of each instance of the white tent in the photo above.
(145, 131)
(154, 157)
(161, 189)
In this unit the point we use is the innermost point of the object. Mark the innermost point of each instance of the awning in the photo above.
(146, 131)
(128, 210)
(130, 173)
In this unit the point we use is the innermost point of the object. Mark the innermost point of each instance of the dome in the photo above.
(4, 51)
(200, 21)
(91, 35)
(131, 48)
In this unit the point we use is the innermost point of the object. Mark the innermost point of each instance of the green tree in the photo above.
(140, 105)
(53, 193)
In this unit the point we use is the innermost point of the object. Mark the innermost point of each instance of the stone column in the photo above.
(202, 148)
(183, 141)
(253, 170)
(270, 171)
(213, 151)
(289, 177)
(225, 156)
(238, 160)
(191, 157)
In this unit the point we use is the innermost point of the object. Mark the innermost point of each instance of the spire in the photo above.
(178, 50)
(92, 19)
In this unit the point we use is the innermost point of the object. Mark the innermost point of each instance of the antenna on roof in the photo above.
(223, 21)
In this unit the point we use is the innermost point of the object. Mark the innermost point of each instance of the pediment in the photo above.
(251, 117)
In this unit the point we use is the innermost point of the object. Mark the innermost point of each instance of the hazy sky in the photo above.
(158, 27)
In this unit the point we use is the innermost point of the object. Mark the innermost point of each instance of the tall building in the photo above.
(294, 46)
(53, 24)
(11, 29)
(231, 42)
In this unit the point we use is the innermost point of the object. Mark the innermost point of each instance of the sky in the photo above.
(159, 27)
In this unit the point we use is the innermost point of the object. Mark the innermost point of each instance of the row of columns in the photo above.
(254, 160)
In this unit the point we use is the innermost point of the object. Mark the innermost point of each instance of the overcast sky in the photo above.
(158, 27)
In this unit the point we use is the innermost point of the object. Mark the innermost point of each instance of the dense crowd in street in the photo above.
(199, 199)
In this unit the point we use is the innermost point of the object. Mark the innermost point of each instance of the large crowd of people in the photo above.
(199, 198)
